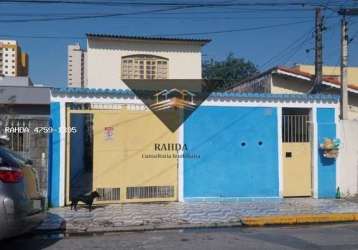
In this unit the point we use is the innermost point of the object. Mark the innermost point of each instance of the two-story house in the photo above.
(111, 58)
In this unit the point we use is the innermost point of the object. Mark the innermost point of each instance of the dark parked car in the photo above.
(21, 204)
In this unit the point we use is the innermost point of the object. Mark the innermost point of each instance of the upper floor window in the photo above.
(144, 67)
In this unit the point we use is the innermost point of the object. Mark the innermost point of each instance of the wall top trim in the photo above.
(147, 38)
(216, 96)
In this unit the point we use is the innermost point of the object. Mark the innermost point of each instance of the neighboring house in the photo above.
(283, 80)
(111, 58)
(24, 118)
(331, 71)
(15, 81)
(76, 66)
(13, 62)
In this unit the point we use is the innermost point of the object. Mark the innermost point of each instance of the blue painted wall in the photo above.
(326, 167)
(54, 157)
(238, 152)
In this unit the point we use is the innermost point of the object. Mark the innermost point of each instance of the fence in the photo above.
(25, 141)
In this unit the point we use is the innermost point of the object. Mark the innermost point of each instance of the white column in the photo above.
(339, 159)
(181, 166)
(314, 124)
(279, 143)
(62, 154)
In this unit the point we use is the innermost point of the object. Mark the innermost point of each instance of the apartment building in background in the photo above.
(13, 62)
(76, 66)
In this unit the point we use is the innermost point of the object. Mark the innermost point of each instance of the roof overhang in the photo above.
(200, 42)
(307, 78)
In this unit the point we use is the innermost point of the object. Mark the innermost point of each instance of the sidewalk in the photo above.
(149, 216)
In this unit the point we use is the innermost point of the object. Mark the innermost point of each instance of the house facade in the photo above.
(126, 161)
(331, 71)
(24, 117)
(105, 137)
(282, 80)
(111, 58)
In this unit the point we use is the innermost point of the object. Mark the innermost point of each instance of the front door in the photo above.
(296, 155)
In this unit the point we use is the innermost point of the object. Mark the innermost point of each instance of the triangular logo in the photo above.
(171, 100)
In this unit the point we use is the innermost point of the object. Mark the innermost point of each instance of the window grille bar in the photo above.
(295, 128)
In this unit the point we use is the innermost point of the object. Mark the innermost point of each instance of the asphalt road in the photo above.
(335, 236)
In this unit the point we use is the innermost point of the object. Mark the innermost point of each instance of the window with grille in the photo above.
(295, 128)
(144, 67)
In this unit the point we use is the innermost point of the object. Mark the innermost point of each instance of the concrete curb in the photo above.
(137, 228)
(250, 221)
(298, 219)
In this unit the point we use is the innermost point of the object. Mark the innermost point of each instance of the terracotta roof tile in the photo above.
(329, 79)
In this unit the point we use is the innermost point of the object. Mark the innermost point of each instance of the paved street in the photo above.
(120, 217)
(334, 236)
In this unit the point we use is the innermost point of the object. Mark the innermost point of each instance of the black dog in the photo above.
(87, 198)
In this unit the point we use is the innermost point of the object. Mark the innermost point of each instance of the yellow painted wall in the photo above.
(297, 169)
(332, 70)
(118, 162)
(283, 85)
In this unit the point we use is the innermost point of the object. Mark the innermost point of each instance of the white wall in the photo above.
(104, 59)
(348, 157)
(74, 66)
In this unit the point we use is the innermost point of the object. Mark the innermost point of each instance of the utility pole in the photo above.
(318, 51)
(344, 64)
(344, 59)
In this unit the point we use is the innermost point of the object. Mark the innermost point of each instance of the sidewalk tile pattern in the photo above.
(177, 214)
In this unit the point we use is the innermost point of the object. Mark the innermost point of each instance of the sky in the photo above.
(267, 36)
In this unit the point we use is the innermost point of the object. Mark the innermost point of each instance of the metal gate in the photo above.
(26, 133)
(29, 137)
(20, 140)
(296, 158)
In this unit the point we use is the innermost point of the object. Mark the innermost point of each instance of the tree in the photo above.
(231, 70)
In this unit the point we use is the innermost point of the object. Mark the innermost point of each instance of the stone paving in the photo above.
(141, 216)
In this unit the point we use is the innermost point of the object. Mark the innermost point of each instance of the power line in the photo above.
(198, 15)
(292, 46)
(160, 3)
(233, 30)
(45, 17)
(128, 16)
(164, 35)
(295, 49)
(88, 16)
(43, 37)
